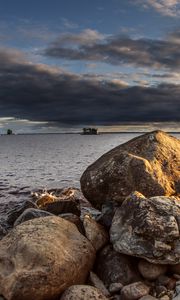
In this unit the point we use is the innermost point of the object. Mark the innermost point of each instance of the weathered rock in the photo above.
(113, 267)
(75, 220)
(97, 283)
(115, 287)
(85, 292)
(151, 271)
(66, 201)
(17, 209)
(42, 257)
(148, 164)
(95, 233)
(134, 291)
(148, 228)
(31, 213)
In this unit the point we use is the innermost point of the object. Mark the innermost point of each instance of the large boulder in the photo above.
(148, 164)
(42, 257)
(148, 228)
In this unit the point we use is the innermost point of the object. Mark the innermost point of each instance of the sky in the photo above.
(69, 64)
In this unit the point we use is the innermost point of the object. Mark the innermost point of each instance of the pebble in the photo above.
(115, 287)
(135, 291)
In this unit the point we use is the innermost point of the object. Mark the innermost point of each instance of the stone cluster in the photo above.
(118, 238)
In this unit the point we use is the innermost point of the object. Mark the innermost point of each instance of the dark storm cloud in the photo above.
(117, 50)
(38, 92)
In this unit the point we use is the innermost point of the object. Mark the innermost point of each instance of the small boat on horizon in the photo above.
(89, 131)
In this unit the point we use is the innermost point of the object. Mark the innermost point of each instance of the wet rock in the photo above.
(115, 287)
(97, 283)
(134, 291)
(95, 233)
(113, 267)
(64, 203)
(148, 228)
(151, 271)
(43, 256)
(152, 157)
(31, 213)
(85, 292)
(17, 209)
(75, 220)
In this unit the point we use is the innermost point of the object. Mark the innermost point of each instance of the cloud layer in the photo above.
(41, 93)
(118, 50)
(169, 8)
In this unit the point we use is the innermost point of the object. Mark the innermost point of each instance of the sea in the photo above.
(46, 161)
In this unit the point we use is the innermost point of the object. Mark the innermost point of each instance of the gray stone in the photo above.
(134, 291)
(31, 213)
(148, 164)
(148, 228)
(82, 292)
(17, 209)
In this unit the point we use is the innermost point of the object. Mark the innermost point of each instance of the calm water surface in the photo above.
(51, 161)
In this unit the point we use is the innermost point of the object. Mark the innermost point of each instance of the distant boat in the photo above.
(89, 131)
(9, 132)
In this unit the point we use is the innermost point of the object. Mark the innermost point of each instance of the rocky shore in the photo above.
(117, 238)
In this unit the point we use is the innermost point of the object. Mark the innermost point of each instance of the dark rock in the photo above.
(113, 267)
(82, 292)
(175, 269)
(42, 257)
(148, 228)
(17, 209)
(31, 213)
(148, 164)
